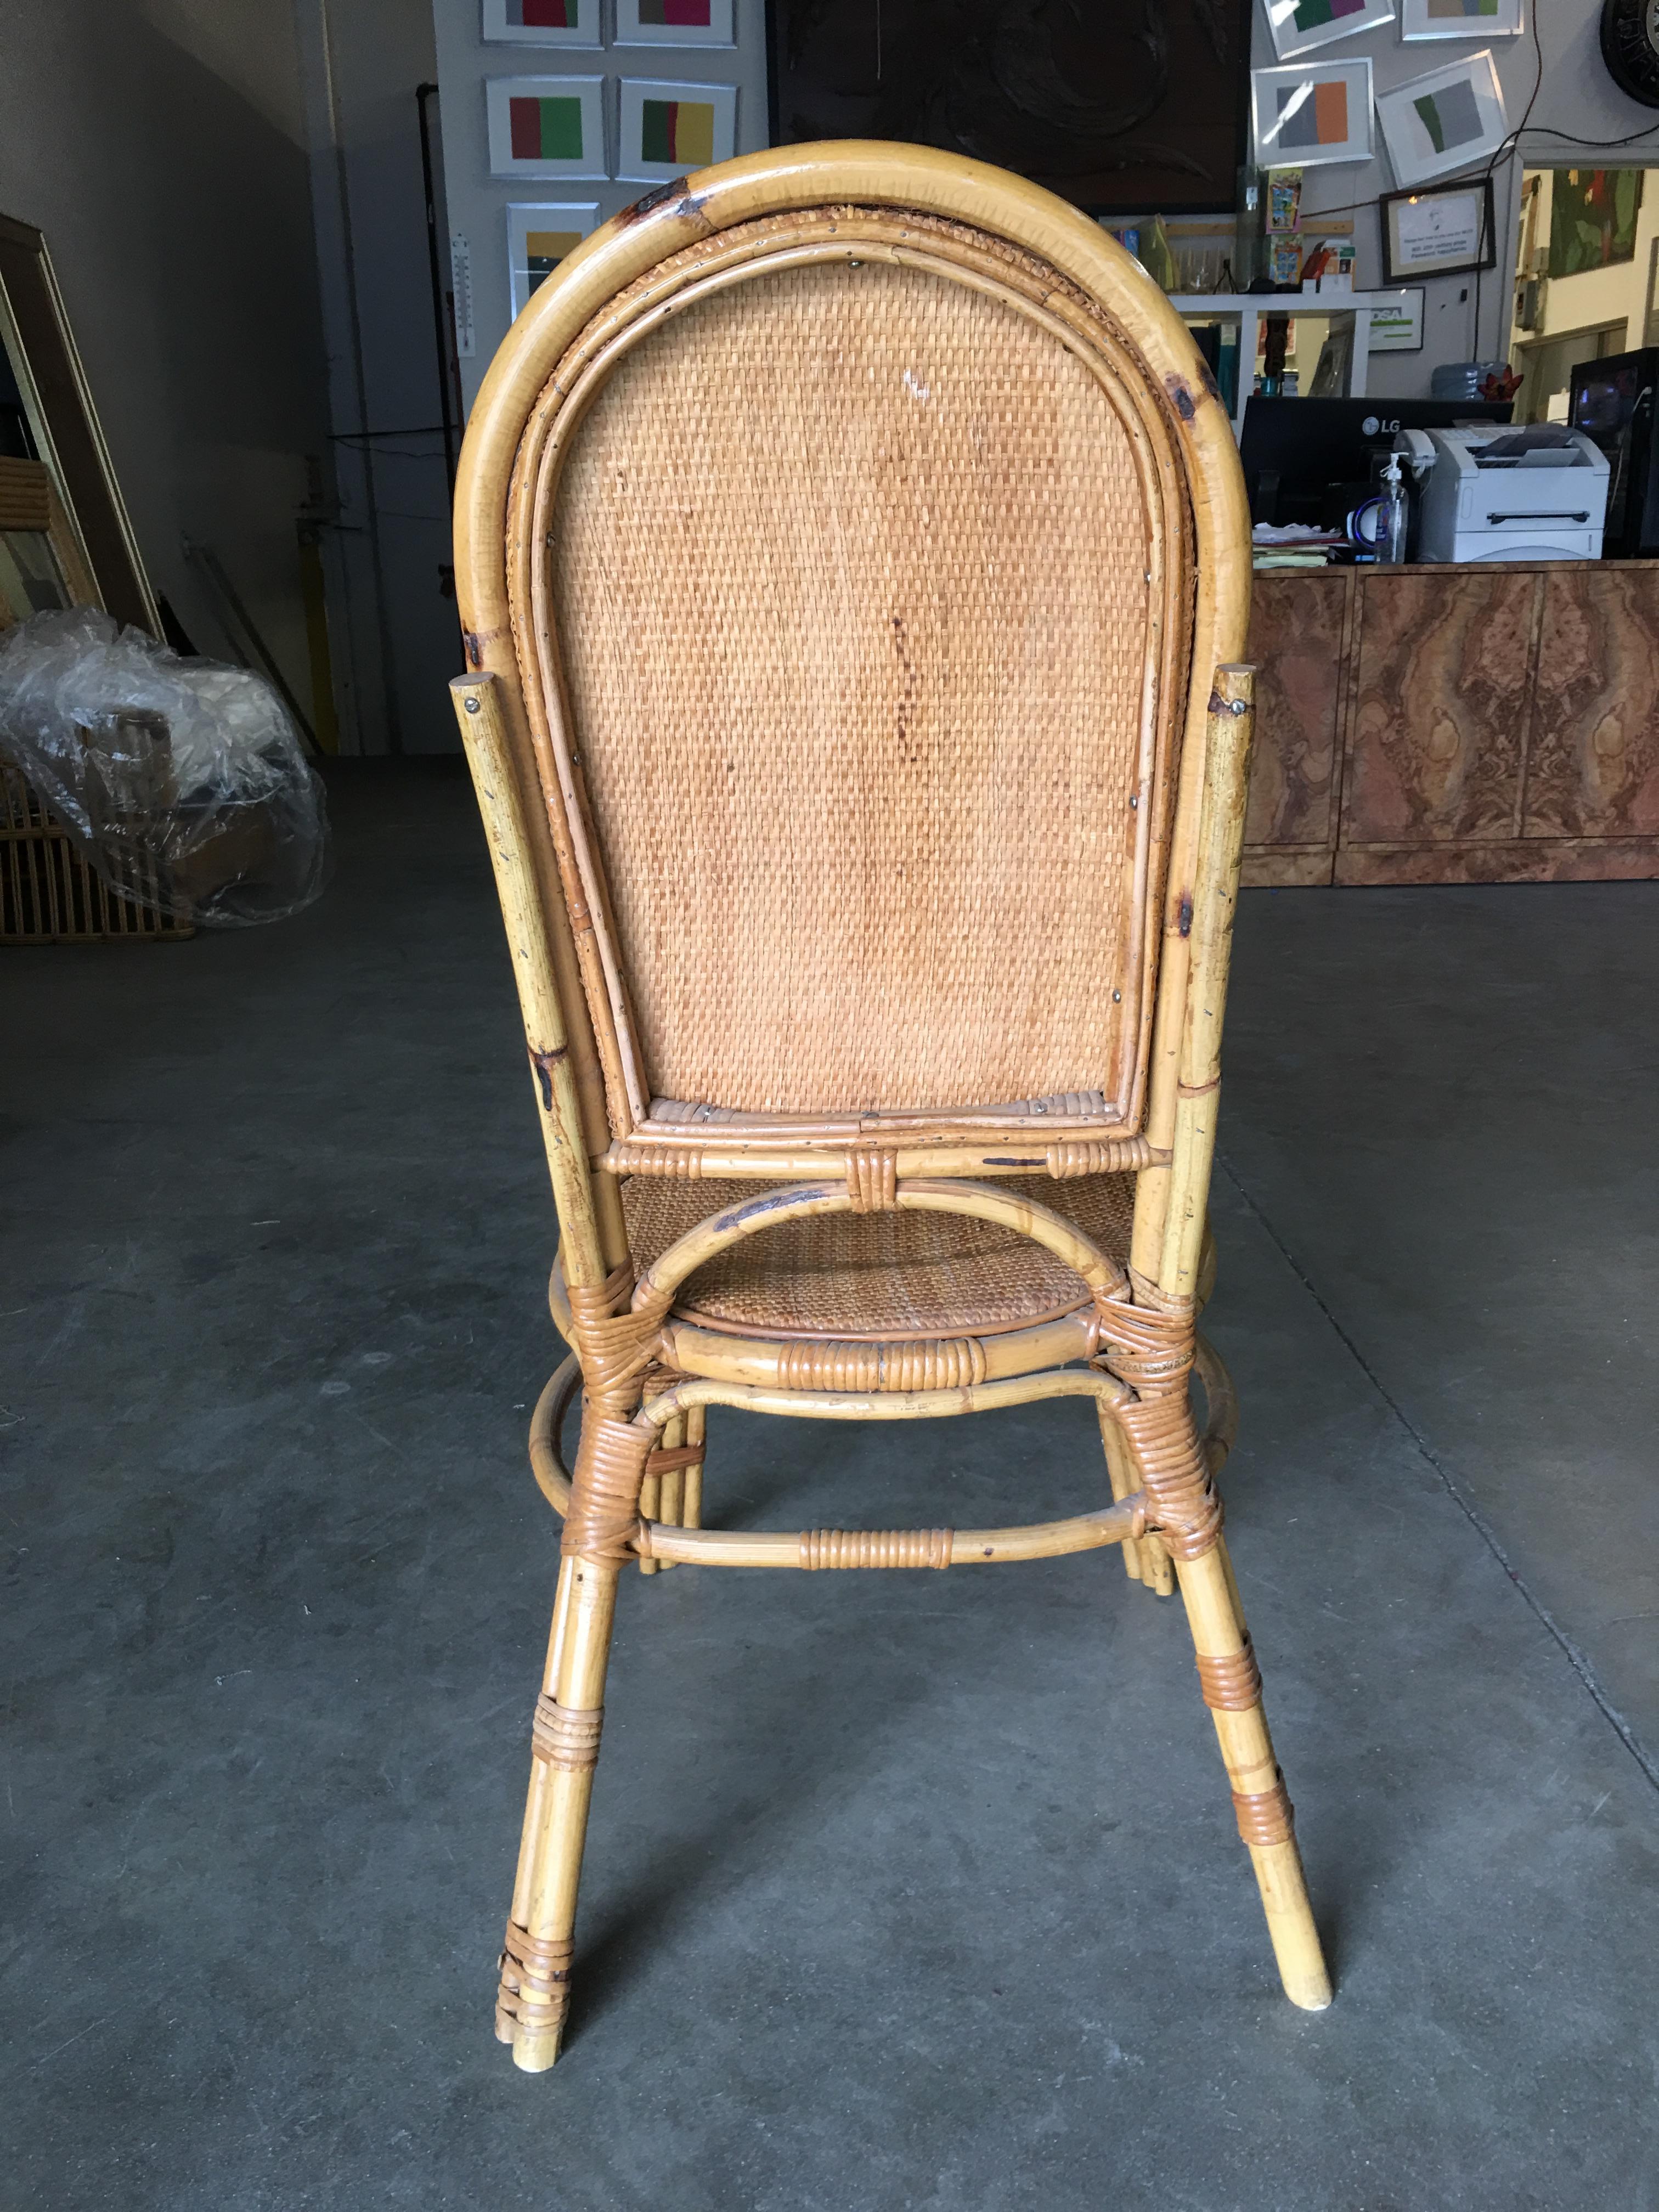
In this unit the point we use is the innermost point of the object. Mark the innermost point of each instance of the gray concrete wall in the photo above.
(394, 632)
(160, 145)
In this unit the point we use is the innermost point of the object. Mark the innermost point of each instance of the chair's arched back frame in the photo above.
(912, 207)
(858, 238)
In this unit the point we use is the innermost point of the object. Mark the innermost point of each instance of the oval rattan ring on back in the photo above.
(859, 561)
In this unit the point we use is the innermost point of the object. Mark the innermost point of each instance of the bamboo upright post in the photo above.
(555, 1816)
(536, 1976)
(1145, 1558)
(1232, 1690)
(1215, 901)
(1227, 1668)
(478, 711)
(671, 1486)
(1120, 1475)
(651, 1509)
(691, 1513)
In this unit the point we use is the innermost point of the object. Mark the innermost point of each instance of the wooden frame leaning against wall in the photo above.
(91, 531)
(645, 1354)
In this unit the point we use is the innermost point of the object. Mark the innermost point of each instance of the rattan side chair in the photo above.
(853, 566)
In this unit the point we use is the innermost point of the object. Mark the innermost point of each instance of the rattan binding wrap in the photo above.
(1265, 1816)
(1231, 1682)
(604, 1504)
(534, 1992)
(872, 1178)
(875, 1547)
(922, 1363)
(1151, 1349)
(565, 1739)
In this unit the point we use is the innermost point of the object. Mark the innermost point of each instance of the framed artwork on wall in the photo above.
(1299, 25)
(541, 22)
(668, 129)
(1441, 232)
(1120, 109)
(1450, 119)
(537, 240)
(1460, 19)
(1593, 218)
(546, 126)
(674, 22)
(1397, 321)
(1312, 112)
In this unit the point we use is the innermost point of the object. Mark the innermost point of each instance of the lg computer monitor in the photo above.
(1311, 460)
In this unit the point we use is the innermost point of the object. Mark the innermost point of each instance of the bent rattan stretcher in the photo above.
(854, 565)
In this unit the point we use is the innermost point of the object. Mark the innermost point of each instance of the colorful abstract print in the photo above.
(1315, 115)
(545, 129)
(1315, 15)
(680, 132)
(1451, 116)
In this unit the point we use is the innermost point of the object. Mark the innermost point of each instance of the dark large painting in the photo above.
(1120, 104)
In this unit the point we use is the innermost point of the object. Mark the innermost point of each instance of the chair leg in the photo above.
(674, 1496)
(535, 1966)
(659, 1500)
(671, 1494)
(1232, 1690)
(1148, 1560)
(1145, 1559)
(600, 1520)
(691, 1501)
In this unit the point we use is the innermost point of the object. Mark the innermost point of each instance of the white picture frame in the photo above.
(1421, 21)
(532, 224)
(1396, 321)
(1290, 107)
(635, 28)
(1345, 18)
(499, 28)
(508, 153)
(1448, 120)
(709, 139)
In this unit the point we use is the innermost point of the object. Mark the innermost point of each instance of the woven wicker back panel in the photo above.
(849, 576)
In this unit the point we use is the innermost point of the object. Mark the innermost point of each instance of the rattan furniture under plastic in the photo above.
(854, 565)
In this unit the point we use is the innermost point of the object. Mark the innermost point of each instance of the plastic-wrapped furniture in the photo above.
(853, 563)
(181, 781)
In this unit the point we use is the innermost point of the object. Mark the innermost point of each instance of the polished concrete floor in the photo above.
(902, 1891)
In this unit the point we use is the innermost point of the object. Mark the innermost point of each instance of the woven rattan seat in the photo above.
(853, 563)
(879, 1275)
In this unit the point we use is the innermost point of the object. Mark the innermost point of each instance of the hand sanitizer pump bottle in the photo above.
(1393, 520)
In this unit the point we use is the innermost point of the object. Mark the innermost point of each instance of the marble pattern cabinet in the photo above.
(1472, 724)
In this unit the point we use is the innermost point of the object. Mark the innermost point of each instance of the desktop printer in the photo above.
(1538, 493)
